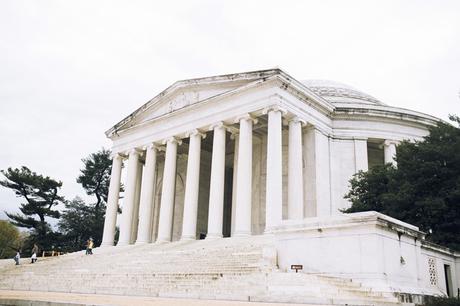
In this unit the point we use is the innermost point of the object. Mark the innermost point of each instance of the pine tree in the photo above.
(41, 196)
(95, 178)
(81, 220)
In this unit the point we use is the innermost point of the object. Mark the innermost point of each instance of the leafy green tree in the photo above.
(41, 196)
(9, 239)
(423, 190)
(82, 220)
(95, 176)
(76, 224)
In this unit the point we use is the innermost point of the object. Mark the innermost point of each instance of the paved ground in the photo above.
(10, 297)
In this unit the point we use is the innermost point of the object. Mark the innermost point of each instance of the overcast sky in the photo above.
(69, 70)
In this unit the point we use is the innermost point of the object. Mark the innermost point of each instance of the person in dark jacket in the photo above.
(34, 253)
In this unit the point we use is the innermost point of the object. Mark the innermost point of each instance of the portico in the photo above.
(141, 164)
(237, 155)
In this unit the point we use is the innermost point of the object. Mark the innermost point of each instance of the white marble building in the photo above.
(260, 153)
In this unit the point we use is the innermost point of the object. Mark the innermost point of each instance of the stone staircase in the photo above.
(227, 269)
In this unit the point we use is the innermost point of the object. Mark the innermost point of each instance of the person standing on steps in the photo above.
(89, 246)
(34, 253)
(17, 257)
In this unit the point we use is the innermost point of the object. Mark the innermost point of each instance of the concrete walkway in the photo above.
(40, 298)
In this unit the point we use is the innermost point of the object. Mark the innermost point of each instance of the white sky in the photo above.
(69, 70)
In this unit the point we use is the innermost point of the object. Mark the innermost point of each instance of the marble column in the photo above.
(130, 195)
(244, 178)
(236, 137)
(146, 205)
(274, 189)
(168, 192)
(361, 159)
(317, 154)
(216, 189)
(295, 170)
(192, 187)
(112, 202)
(389, 151)
(157, 196)
(137, 199)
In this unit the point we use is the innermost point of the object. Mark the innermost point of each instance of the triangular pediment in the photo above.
(183, 94)
(185, 97)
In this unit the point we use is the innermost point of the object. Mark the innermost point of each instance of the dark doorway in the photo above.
(447, 275)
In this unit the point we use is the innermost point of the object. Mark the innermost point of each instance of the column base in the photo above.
(106, 244)
(141, 242)
(188, 238)
(213, 236)
(162, 241)
(241, 234)
(123, 243)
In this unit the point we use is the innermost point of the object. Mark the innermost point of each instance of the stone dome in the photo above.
(336, 92)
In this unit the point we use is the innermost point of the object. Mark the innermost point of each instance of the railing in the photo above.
(51, 253)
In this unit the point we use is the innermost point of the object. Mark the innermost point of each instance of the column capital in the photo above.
(295, 119)
(134, 151)
(246, 116)
(274, 108)
(217, 125)
(172, 140)
(195, 132)
(117, 155)
(151, 146)
(389, 142)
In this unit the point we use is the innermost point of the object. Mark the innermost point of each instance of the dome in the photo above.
(336, 92)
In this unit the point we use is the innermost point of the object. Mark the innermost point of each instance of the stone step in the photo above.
(178, 281)
(229, 269)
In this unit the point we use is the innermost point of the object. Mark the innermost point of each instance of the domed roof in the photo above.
(336, 92)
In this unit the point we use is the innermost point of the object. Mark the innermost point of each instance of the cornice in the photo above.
(427, 245)
(304, 94)
(383, 112)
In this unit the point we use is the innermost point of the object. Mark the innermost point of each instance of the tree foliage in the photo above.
(41, 196)
(423, 190)
(77, 224)
(9, 239)
(82, 220)
(95, 175)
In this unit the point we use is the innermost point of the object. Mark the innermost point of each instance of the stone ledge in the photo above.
(347, 220)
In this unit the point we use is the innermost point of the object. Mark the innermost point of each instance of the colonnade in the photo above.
(140, 187)
(141, 181)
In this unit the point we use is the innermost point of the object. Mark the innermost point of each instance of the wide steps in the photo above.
(230, 269)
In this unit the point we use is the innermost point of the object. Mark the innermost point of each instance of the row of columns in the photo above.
(241, 214)
(241, 225)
